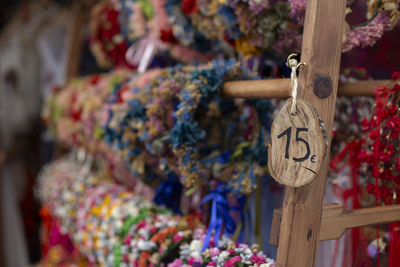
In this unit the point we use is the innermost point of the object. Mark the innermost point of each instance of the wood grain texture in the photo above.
(302, 207)
(275, 227)
(297, 146)
(335, 221)
(74, 40)
(2, 253)
(279, 88)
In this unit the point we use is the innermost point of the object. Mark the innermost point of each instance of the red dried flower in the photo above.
(381, 91)
(396, 75)
(189, 7)
(94, 79)
(167, 36)
(381, 146)
(397, 164)
(373, 134)
(396, 88)
(365, 124)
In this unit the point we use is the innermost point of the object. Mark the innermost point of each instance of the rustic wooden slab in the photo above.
(297, 146)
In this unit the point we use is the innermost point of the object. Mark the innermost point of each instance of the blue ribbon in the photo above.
(219, 215)
(168, 194)
(242, 201)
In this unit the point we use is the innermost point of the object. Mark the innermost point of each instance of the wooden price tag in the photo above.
(297, 146)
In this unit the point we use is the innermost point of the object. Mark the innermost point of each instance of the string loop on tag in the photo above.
(294, 65)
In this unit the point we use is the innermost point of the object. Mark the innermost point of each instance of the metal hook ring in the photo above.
(301, 64)
(290, 57)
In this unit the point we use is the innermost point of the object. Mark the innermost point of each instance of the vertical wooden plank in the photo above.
(74, 41)
(302, 207)
(2, 253)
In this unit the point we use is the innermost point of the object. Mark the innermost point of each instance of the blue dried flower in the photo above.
(111, 135)
(186, 133)
(230, 19)
(137, 111)
(210, 88)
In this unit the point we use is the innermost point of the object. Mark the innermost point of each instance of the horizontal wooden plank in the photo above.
(279, 88)
(335, 221)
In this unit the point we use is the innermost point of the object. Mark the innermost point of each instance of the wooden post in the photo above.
(321, 51)
(74, 41)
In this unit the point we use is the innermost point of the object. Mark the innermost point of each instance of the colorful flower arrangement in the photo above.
(112, 226)
(136, 34)
(252, 27)
(72, 114)
(133, 32)
(171, 122)
(375, 156)
(382, 15)
(159, 125)
(106, 40)
(381, 144)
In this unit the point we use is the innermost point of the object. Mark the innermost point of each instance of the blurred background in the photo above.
(43, 44)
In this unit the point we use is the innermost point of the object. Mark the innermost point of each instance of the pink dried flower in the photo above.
(176, 263)
(367, 35)
(258, 6)
(298, 10)
(214, 252)
(231, 262)
(257, 259)
(178, 237)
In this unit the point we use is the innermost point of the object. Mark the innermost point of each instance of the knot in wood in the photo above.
(309, 234)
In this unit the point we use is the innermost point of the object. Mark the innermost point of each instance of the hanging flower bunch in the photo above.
(248, 27)
(376, 156)
(382, 15)
(144, 133)
(382, 154)
(111, 226)
(136, 34)
(171, 122)
(72, 111)
(153, 33)
(187, 34)
(191, 103)
(106, 40)
(74, 114)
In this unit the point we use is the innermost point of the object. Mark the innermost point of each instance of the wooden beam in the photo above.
(302, 207)
(335, 221)
(74, 40)
(279, 88)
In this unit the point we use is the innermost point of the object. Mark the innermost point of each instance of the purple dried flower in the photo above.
(233, 3)
(289, 40)
(298, 10)
(372, 251)
(258, 6)
(367, 35)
